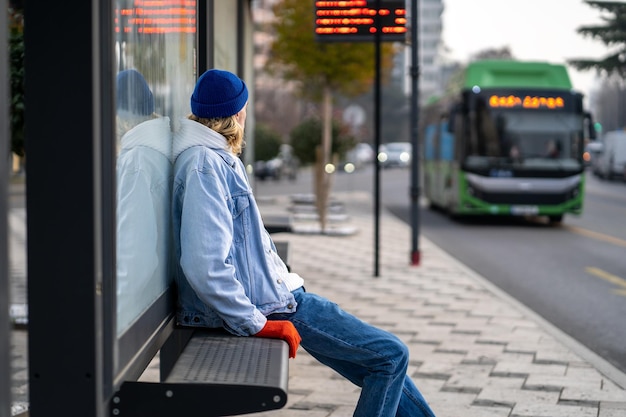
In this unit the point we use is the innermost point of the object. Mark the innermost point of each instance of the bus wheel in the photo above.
(557, 218)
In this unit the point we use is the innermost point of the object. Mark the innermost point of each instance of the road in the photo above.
(573, 275)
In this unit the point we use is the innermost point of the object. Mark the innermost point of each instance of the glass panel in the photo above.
(224, 20)
(155, 67)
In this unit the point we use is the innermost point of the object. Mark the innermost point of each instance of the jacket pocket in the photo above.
(241, 217)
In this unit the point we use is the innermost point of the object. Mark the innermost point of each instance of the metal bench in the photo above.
(278, 223)
(210, 373)
(206, 372)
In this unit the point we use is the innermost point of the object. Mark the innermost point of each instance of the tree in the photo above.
(305, 138)
(321, 69)
(266, 143)
(612, 34)
(493, 53)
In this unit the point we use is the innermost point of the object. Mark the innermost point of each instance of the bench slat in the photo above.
(227, 359)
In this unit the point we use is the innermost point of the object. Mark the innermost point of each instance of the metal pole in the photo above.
(377, 146)
(415, 182)
(5, 334)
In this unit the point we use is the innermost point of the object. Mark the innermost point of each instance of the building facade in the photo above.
(429, 51)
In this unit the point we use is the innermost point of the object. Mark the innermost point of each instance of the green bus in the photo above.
(511, 142)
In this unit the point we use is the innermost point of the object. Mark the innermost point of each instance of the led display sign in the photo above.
(157, 16)
(526, 102)
(359, 20)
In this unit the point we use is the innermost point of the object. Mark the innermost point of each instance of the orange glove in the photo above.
(282, 329)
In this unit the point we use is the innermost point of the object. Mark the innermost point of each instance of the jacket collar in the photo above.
(192, 133)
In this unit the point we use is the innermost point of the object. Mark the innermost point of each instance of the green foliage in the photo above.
(346, 67)
(493, 53)
(266, 143)
(612, 34)
(16, 52)
(308, 135)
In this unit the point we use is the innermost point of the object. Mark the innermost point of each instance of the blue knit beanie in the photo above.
(133, 93)
(218, 94)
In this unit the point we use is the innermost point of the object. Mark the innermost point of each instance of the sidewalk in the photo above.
(474, 350)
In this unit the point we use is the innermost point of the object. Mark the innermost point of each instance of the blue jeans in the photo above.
(371, 358)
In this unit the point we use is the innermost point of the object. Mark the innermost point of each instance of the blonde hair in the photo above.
(227, 127)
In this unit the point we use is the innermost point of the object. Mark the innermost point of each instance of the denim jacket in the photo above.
(228, 273)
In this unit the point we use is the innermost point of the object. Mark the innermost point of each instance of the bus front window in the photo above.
(525, 136)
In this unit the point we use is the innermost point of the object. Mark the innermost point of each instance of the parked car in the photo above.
(357, 157)
(268, 169)
(395, 154)
(284, 165)
(612, 160)
(591, 155)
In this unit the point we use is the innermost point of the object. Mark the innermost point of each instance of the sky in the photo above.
(543, 30)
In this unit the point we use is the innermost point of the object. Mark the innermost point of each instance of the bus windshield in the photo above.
(529, 138)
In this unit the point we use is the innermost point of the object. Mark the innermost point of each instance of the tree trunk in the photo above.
(323, 158)
(321, 196)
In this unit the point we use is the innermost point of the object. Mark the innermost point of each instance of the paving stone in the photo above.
(537, 381)
(524, 368)
(544, 410)
(612, 409)
(605, 393)
(512, 398)
(474, 376)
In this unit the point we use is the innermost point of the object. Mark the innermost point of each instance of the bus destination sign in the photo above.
(526, 102)
(359, 20)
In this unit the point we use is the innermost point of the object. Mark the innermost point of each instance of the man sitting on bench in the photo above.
(229, 274)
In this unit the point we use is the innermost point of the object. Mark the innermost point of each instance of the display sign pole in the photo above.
(415, 177)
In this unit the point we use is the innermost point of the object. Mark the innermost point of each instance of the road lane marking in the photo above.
(613, 279)
(597, 235)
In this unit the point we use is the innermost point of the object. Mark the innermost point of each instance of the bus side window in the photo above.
(446, 142)
(452, 117)
(429, 142)
(436, 142)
